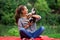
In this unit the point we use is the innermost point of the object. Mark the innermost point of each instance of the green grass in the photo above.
(9, 30)
(12, 30)
(53, 35)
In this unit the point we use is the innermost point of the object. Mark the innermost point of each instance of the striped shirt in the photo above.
(23, 21)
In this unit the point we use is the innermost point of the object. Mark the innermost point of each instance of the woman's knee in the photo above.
(21, 29)
(42, 28)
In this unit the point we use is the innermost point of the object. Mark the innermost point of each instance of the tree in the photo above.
(42, 9)
(7, 8)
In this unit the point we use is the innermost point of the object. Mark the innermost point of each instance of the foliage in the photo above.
(12, 30)
(7, 8)
(53, 35)
(9, 30)
(51, 21)
(58, 3)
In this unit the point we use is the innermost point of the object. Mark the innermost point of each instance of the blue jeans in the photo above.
(26, 34)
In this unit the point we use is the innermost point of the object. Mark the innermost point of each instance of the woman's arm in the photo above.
(25, 26)
(37, 16)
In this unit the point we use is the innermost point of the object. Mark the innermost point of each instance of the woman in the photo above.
(27, 29)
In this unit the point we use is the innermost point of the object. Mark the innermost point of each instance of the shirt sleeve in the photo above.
(38, 19)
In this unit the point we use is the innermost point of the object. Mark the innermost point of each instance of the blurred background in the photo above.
(49, 10)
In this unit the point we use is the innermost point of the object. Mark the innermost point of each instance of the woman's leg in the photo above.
(38, 32)
(24, 33)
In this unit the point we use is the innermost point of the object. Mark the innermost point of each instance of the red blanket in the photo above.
(17, 38)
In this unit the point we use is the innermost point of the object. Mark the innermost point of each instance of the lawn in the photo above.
(12, 30)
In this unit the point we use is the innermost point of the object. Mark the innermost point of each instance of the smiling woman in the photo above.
(27, 29)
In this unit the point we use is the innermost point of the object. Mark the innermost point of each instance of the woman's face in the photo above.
(25, 11)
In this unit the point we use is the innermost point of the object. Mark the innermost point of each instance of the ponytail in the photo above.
(18, 13)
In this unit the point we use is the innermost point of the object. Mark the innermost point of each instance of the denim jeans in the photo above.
(25, 34)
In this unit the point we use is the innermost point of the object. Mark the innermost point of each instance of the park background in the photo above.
(49, 10)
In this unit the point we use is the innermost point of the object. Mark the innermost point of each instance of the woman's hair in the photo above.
(18, 13)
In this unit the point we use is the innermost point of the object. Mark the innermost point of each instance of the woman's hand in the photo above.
(29, 15)
(28, 25)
